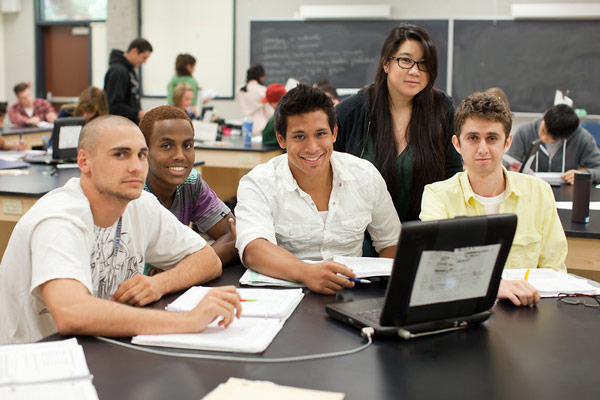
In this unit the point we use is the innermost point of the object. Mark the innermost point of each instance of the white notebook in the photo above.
(244, 335)
(263, 314)
(262, 303)
(550, 282)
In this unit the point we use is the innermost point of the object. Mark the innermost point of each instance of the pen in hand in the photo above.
(356, 280)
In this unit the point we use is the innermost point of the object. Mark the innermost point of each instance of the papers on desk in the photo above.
(263, 314)
(553, 178)
(56, 369)
(363, 267)
(568, 205)
(236, 388)
(261, 303)
(550, 282)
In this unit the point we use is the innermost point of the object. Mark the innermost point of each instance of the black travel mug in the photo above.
(581, 198)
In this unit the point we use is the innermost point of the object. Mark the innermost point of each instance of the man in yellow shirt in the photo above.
(483, 123)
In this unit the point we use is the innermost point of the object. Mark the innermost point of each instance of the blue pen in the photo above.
(355, 280)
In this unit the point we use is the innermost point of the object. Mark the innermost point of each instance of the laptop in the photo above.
(445, 277)
(528, 160)
(65, 136)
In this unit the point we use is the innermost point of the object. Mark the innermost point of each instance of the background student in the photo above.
(250, 98)
(29, 110)
(92, 103)
(274, 93)
(401, 123)
(311, 203)
(74, 262)
(185, 64)
(178, 186)
(482, 124)
(565, 146)
(121, 83)
(183, 95)
(4, 145)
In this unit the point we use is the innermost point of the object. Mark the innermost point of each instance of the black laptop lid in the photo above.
(65, 136)
(439, 270)
(528, 160)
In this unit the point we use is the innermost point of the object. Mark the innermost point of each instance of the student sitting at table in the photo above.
(274, 93)
(74, 262)
(182, 98)
(91, 104)
(4, 145)
(311, 203)
(28, 110)
(178, 186)
(482, 124)
(565, 146)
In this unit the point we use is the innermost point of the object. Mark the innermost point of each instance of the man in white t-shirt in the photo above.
(312, 203)
(75, 260)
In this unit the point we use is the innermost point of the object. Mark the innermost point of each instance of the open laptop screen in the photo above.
(65, 136)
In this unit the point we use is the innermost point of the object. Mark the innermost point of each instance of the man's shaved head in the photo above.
(92, 131)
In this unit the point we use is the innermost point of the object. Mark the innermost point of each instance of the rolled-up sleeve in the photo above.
(385, 224)
(254, 219)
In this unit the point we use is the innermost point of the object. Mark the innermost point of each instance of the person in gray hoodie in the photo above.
(565, 147)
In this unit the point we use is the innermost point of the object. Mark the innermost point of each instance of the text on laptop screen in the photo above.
(444, 276)
(69, 136)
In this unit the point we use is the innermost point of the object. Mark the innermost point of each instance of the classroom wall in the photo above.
(18, 45)
(122, 27)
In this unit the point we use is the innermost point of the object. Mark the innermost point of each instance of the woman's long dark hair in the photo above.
(424, 134)
(255, 72)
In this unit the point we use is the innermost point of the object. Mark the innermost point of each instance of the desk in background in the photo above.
(18, 193)
(32, 135)
(583, 239)
(227, 160)
(546, 352)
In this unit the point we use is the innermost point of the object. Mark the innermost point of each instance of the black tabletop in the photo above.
(15, 130)
(39, 180)
(592, 228)
(234, 143)
(547, 352)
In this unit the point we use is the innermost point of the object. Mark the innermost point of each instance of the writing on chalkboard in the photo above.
(345, 53)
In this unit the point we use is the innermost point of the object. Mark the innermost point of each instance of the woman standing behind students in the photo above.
(184, 69)
(401, 123)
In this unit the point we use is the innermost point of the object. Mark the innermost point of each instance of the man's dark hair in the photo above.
(19, 87)
(141, 44)
(561, 121)
(483, 105)
(301, 100)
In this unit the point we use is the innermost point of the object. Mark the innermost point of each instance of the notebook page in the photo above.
(550, 282)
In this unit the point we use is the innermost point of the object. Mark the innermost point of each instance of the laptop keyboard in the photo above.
(371, 315)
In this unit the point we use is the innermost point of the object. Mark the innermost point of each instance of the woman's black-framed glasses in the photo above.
(408, 63)
(578, 298)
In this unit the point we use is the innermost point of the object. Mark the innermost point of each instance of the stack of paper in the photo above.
(56, 369)
(553, 178)
(236, 388)
(550, 282)
(363, 267)
(264, 312)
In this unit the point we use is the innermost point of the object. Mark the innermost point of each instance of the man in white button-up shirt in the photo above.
(312, 203)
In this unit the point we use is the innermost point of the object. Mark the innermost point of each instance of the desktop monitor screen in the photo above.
(65, 136)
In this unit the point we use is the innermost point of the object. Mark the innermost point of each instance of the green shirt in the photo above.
(404, 176)
(268, 134)
(176, 80)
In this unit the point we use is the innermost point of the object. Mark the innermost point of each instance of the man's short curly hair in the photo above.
(161, 113)
(485, 106)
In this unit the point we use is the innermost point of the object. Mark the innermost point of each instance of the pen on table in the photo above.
(355, 280)
(247, 300)
(526, 274)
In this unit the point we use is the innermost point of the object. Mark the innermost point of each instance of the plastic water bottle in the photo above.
(247, 129)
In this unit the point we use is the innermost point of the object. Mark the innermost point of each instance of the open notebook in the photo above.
(550, 282)
(263, 314)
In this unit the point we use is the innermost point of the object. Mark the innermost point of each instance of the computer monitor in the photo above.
(65, 136)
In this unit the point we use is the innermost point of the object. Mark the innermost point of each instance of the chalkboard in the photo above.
(345, 53)
(529, 60)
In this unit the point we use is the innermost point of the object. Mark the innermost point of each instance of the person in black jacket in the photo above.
(121, 82)
(401, 123)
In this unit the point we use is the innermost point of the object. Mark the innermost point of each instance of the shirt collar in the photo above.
(509, 190)
(340, 173)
